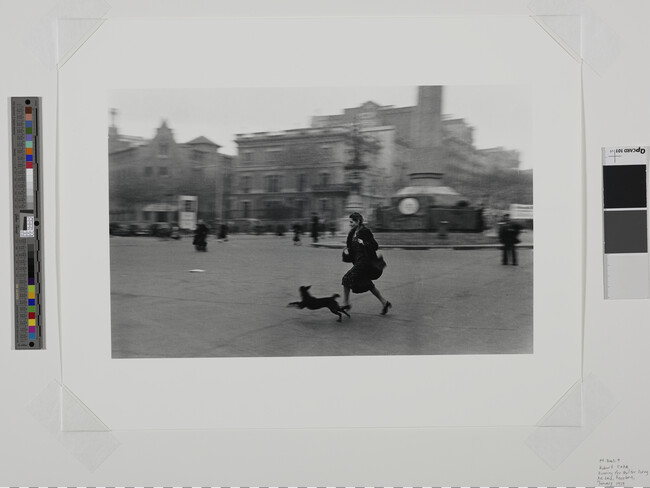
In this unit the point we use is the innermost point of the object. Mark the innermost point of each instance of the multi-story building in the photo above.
(371, 114)
(147, 177)
(290, 175)
(441, 166)
(453, 134)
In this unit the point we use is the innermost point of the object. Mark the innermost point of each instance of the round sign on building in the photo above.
(408, 206)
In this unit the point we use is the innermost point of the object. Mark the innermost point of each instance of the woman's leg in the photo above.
(346, 296)
(385, 303)
(375, 291)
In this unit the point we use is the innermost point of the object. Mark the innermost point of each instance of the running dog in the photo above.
(312, 303)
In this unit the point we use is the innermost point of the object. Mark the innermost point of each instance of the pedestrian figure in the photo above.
(314, 227)
(200, 235)
(223, 232)
(509, 237)
(361, 250)
(297, 230)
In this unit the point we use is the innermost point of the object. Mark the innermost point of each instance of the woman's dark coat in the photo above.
(359, 277)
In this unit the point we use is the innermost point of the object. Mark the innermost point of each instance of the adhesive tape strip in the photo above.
(55, 407)
(565, 29)
(556, 438)
(60, 32)
(567, 412)
(590, 38)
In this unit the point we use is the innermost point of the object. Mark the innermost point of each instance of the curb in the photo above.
(424, 247)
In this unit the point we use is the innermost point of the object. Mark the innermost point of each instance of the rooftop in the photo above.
(202, 140)
(292, 133)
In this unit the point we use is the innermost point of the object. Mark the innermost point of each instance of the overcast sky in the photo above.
(500, 115)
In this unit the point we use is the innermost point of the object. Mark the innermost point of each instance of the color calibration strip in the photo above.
(26, 166)
(625, 222)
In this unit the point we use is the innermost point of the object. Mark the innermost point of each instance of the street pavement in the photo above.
(169, 300)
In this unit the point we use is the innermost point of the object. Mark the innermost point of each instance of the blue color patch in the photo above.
(28, 123)
(32, 301)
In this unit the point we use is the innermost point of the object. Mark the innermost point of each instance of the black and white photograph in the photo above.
(309, 221)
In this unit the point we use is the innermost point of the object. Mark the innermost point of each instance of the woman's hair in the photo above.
(357, 217)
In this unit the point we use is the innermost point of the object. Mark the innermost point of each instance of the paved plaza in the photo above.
(170, 301)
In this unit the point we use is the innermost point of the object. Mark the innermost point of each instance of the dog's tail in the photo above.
(336, 295)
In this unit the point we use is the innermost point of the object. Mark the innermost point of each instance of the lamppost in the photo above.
(360, 145)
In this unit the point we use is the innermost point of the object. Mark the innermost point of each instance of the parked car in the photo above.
(140, 229)
(119, 229)
(161, 229)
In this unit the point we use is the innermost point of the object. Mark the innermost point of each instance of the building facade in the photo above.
(287, 176)
(424, 124)
(147, 177)
(290, 175)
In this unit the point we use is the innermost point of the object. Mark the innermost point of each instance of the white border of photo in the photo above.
(320, 392)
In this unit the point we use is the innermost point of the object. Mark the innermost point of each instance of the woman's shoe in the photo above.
(346, 307)
(387, 305)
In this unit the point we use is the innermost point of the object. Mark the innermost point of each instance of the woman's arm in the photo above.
(366, 238)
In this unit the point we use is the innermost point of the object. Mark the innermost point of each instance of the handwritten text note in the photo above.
(616, 472)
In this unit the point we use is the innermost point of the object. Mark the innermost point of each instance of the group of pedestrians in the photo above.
(361, 251)
(297, 230)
